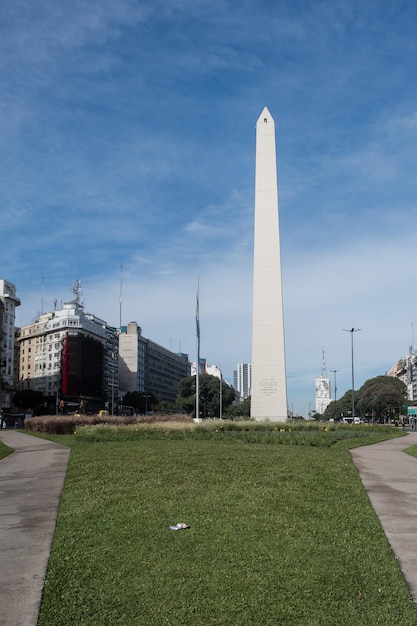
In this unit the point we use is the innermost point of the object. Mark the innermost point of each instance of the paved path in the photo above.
(31, 482)
(389, 476)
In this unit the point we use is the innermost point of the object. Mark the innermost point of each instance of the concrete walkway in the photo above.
(389, 476)
(31, 482)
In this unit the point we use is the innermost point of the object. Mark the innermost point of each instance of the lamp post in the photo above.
(112, 384)
(335, 392)
(351, 331)
(2, 364)
(221, 397)
(146, 403)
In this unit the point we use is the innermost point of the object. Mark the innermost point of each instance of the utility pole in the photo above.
(351, 331)
(335, 392)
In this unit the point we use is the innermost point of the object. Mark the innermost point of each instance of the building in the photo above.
(146, 367)
(242, 380)
(269, 383)
(8, 354)
(406, 370)
(323, 395)
(213, 370)
(323, 390)
(72, 356)
(202, 369)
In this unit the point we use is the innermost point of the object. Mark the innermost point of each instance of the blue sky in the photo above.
(127, 134)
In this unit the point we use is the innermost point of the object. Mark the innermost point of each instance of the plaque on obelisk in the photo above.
(269, 385)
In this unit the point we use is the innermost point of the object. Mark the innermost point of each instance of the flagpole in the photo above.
(197, 369)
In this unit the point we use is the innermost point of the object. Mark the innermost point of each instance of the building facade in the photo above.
(242, 380)
(323, 394)
(146, 367)
(406, 370)
(70, 356)
(8, 353)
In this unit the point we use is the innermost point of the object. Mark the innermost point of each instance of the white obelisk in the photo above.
(269, 384)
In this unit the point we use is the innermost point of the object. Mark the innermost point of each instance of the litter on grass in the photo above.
(180, 526)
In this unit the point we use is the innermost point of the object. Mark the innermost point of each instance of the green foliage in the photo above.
(239, 411)
(314, 434)
(141, 402)
(382, 396)
(209, 388)
(279, 535)
(4, 450)
(165, 407)
(412, 451)
(378, 397)
(28, 398)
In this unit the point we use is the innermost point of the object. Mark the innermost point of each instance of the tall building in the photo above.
(70, 355)
(406, 370)
(323, 391)
(146, 367)
(323, 395)
(242, 380)
(8, 304)
(269, 385)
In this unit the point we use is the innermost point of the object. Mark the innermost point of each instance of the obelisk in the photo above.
(269, 384)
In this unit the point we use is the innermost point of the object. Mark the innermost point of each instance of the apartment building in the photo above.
(146, 367)
(242, 380)
(71, 356)
(8, 304)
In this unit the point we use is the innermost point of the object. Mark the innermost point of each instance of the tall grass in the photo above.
(280, 534)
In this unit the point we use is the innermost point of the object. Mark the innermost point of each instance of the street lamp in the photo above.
(335, 392)
(221, 397)
(112, 384)
(146, 404)
(351, 331)
(2, 364)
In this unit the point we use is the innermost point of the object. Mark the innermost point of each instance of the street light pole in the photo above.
(221, 396)
(351, 331)
(335, 392)
(112, 384)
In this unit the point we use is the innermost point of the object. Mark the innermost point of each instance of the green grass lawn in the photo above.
(4, 450)
(280, 534)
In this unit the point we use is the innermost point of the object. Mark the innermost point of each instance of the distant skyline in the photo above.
(127, 134)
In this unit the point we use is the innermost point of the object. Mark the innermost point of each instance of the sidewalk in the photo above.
(31, 482)
(389, 476)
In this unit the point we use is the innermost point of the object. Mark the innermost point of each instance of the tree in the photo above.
(28, 399)
(378, 398)
(382, 397)
(209, 391)
(239, 411)
(341, 408)
(141, 402)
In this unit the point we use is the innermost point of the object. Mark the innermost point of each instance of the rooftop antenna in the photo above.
(76, 290)
(323, 370)
(43, 286)
(121, 294)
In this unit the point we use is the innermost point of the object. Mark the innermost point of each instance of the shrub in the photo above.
(68, 424)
